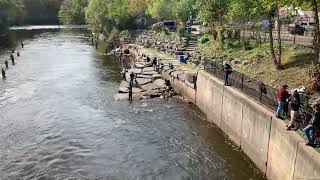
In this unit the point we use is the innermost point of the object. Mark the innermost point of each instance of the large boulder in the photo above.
(148, 69)
(160, 83)
(143, 81)
(139, 65)
(156, 76)
(152, 93)
(135, 71)
(144, 76)
(150, 73)
(149, 87)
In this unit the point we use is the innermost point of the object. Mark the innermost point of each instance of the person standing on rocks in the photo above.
(154, 63)
(132, 76)
(123, 73)
(12, 58)
(3, 73)
(6, 63)
(21, 42)
(130, 91)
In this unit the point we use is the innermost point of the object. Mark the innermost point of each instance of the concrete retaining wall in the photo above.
(276, 152)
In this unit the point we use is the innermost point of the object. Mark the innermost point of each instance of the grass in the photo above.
(296, 61)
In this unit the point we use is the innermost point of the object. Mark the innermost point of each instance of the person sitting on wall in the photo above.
(227, 70)
(294, 102)
(282, 96)
(314, 124)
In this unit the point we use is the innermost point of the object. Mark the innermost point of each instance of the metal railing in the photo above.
(253, 88)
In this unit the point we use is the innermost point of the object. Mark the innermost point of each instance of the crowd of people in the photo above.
(286, 101)
(158, 67)
(12, 58)
(291, 102)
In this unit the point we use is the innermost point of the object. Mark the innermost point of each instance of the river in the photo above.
(58, 120)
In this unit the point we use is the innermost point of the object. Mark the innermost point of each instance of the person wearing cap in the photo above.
(314, 123)
(282, 96)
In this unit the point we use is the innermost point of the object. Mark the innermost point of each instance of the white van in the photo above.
(307, 25)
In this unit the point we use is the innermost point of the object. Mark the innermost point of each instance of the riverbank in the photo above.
(279, 154)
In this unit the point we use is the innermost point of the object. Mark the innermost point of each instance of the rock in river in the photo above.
(148, 69)
(156, 76)
(143, 81)
(144, 76)
(160, 83)
(149, 87)
(150, 73)
(135, 70)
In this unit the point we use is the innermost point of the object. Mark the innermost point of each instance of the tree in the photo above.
(162, 9)
(213, 12)
(271, 8)
(184, 9)
(72, 11)
(137, 7)
(104, 15)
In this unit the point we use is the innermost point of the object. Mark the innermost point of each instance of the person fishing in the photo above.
(3, 72)
(6, 63)
(12, 58)
(130, 90)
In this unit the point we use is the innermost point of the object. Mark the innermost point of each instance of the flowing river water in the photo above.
(58, 120)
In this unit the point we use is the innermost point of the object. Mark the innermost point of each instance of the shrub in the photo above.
(166, 31)
(181, 31)
(204, 38)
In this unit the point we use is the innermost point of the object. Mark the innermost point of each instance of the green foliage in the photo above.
(166, 31)
(204, 38)
(184, 9)
(104, 15)
(72, 11)
(211, 10)
(162, 9)
(181, 30)
(6, 14)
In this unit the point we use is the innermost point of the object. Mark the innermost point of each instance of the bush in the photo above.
(166, 31)
(204, 38)
(181, 31)
(247, 45)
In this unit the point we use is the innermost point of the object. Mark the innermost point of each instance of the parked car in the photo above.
(296, 29)
(171, 25)
(308, 25)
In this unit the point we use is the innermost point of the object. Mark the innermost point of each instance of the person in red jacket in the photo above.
(282, 98)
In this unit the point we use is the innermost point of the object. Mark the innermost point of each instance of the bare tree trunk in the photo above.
(271, 40)
(279, 65)
(316, 35)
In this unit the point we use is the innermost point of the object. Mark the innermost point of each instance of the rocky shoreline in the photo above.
(148, 80)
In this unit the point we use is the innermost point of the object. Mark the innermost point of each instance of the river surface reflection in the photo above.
(58, 120)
